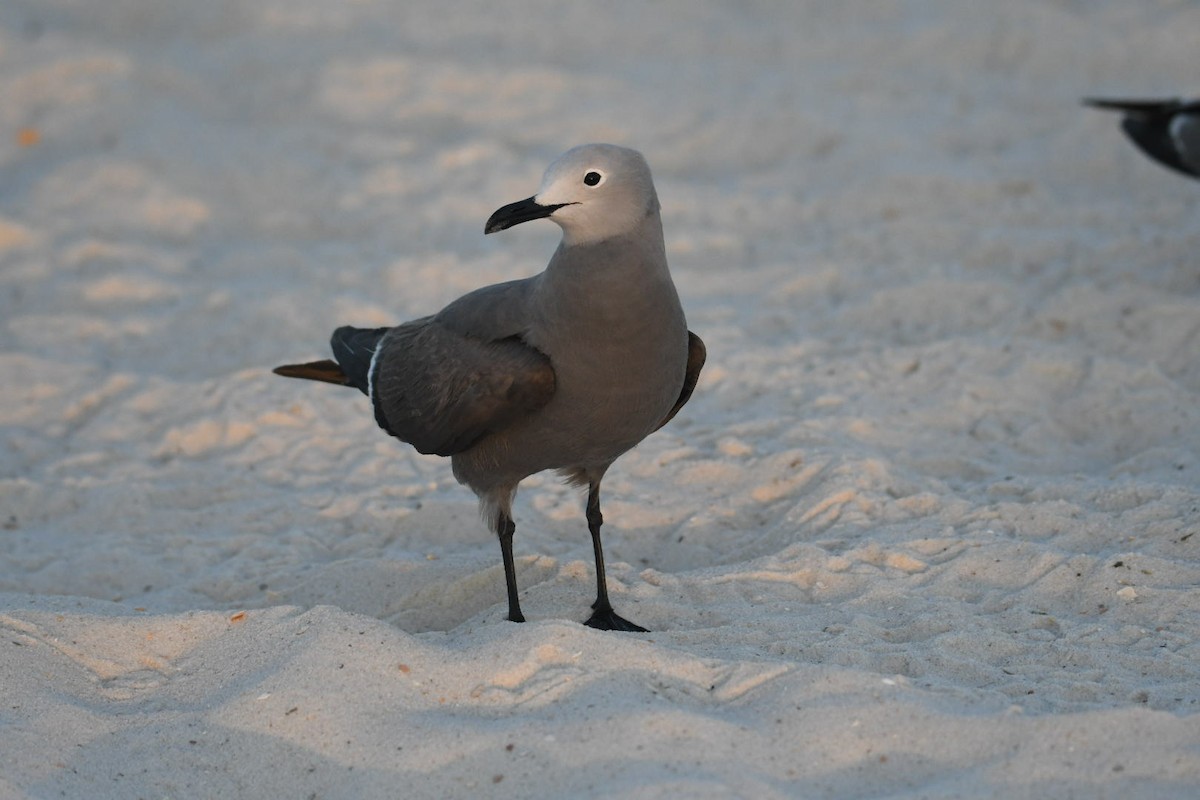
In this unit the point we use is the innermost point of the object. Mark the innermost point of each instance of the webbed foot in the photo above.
(605, 619)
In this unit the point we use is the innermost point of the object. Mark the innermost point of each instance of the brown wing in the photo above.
(695, 362)
(442, 391)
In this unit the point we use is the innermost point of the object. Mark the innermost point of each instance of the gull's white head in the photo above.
(594, 192)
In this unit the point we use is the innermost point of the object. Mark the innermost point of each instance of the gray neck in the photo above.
(611, 289)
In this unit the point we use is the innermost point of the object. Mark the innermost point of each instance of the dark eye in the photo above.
(592, 178)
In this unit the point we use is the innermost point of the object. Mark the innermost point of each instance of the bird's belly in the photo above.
(594, 420)
(599, 411)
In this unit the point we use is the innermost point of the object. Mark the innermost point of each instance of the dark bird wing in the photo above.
(695, 362)
(1134, 106)
(1166, 130)
(442, 392)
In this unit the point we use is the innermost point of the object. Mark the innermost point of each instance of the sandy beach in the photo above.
(927, 528)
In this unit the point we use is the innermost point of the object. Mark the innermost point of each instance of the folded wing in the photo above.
(442, 391)
(697, 353)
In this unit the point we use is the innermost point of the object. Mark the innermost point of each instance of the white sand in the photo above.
(927, 528)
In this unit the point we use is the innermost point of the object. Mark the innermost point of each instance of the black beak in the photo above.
(518, 212)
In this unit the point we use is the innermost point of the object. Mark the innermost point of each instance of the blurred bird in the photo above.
(1166, 130)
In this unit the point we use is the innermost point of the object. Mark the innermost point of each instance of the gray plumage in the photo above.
(566, 370)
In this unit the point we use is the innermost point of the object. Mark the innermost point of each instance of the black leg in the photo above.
(604, 617)
(505, 528)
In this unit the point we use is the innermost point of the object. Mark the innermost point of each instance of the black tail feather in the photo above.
(354, 348)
